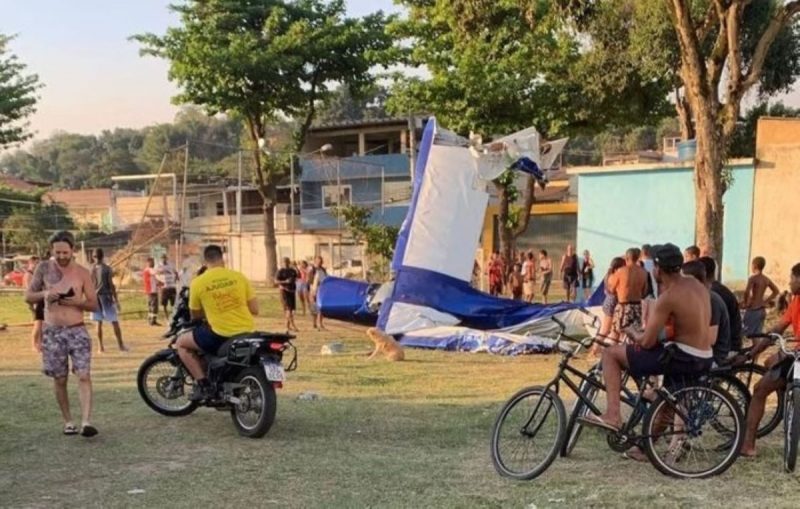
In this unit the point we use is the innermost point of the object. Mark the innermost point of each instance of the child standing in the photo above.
(755, 305)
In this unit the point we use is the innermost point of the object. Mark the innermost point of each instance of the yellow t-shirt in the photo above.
(223, 294)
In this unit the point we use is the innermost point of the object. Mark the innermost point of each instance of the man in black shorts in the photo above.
(37, 309)
(683, 312)
(286, 280)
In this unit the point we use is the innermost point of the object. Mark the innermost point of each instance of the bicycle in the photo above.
(721, 377)
(791, 409)
(744, 367)
(676, 426)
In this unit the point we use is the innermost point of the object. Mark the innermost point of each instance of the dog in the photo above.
(386, 345)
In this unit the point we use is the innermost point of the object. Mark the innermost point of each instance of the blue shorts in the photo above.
(208, 340)
(106, 310)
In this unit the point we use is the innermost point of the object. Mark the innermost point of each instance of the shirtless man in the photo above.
(779, 365)
(755, 305)
(629, 285)
(683, 308)
(67, 291)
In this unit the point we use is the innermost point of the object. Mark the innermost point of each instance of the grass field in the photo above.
(409, 434)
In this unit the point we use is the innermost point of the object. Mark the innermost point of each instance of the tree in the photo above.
(743, 142)
(713, 52)
(499, 66)
(17, 96)
(380, 239)
(264, 60)
(343, 104)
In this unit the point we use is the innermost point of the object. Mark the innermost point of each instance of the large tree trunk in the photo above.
(708, 186)
(270, 242)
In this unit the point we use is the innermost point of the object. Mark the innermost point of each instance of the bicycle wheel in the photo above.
(735, 387)
(528, 433)
(574, 426)
(695, 432)
(791, 427)
(750, 374)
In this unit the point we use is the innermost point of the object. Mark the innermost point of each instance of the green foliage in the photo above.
(380, 238)
(75, 161)
(743, 141)
(265, 59)
(343, 104)
(17, 96)
(26, 228)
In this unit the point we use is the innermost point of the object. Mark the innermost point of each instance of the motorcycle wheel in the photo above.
(254, 414)
(161, 381)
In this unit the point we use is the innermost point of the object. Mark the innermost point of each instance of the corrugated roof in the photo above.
(23, 185)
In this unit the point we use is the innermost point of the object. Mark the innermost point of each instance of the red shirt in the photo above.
(149, 278)
(496, 272)
(792, 315)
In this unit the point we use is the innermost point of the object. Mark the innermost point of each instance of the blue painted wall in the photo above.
(617, 210)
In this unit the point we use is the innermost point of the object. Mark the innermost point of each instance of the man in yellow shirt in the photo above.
(225, 299)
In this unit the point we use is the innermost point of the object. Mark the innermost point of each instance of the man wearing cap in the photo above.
(683, 311)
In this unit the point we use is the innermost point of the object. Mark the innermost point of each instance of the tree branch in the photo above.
(730, 113)
(693, 68)
(716, 60)
(776, 24)
(705, 27)
(300, 139)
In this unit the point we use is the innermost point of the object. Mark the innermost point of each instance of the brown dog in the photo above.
(386, 345)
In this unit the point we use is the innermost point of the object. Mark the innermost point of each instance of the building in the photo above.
(775, 230)
(89, 207)
(366, 163)
(630, 205)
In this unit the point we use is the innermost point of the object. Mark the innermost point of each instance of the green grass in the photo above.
(409, 434)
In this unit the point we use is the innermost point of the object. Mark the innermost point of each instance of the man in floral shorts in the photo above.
(67, 291)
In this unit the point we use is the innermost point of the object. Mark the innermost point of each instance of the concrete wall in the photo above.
(246, 253)
(776, 231)
(630, 206)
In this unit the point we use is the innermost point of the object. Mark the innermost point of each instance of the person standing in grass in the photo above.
(529, 278)
(317, 278)
(546, 271)
(151, 291)
(755, 305)
(67, 291)
(286, 279)
(515, 282)
(302, 284)
(587, 274)
(107, 300)
(37, 310)
(167, 278)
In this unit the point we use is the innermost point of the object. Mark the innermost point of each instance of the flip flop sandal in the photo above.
(70, 429)
(593, 420)
(89, 431)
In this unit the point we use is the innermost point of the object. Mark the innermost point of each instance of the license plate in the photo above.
(796, 374)
(274, 372)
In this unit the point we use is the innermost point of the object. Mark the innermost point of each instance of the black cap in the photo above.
(667, 256)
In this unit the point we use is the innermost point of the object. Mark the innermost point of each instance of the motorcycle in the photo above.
(244, 374)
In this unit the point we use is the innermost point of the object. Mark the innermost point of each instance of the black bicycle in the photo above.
(722, 377)
(691, 429)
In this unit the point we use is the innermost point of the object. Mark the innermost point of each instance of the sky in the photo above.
(93, 75)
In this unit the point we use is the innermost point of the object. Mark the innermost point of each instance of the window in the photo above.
(194, 210)
(396, 191)
(331, 196)
(220, 208)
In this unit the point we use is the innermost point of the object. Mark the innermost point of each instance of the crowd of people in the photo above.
(660, 298)
(531, 271)
(300, 282)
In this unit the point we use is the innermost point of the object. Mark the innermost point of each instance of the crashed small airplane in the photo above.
(430, 303)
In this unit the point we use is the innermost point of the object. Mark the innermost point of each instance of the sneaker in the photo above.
(201, 392)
